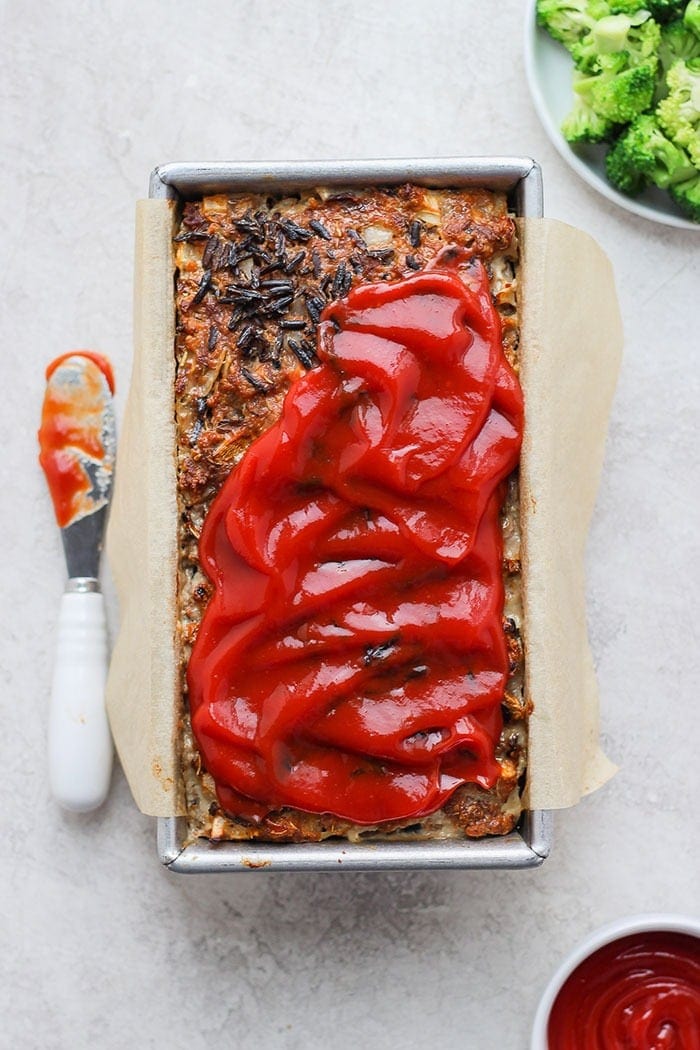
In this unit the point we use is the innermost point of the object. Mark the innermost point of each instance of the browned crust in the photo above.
(253, 274)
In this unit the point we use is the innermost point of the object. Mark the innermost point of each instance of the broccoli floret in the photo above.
(637, 36)
(583, 124)
(677, 41)
(621, 169)
(616, 93)
(687, 196)
(660, 10)
(625, 95)
(665, 10)
(691, 17)
(679, 112)
(644, 154)
(569, 20)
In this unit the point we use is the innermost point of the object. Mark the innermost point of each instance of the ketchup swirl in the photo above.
(352, 657)
(641, 992)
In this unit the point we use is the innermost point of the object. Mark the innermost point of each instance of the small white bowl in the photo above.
(653, 923)
(549, 71)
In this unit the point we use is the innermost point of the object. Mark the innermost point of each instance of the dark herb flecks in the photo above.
(246, 337)
(192, 235)
(315, 304)
(296, 260)
(205, 285)
(277, 286)
(326, 282)
(357, 239)
(241, 293)
(210, 251)
(251, 226)
(303, 352)
(341, 282)
(382, 254)
(293, 231)
(320, 229)
(255, 382)
(277, 349)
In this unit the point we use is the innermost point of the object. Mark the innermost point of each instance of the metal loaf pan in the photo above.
(529, 844)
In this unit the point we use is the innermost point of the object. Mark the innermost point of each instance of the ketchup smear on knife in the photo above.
(71, 434)
(641, 992)
(102, 363)
(352, 658)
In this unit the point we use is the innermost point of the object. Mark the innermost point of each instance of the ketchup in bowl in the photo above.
(634, 985)
(641, 992)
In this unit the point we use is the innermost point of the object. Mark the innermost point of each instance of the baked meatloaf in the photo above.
(255, 277)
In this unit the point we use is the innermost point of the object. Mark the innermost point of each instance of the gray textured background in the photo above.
(106, 949)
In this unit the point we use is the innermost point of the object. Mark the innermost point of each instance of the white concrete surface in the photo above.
(102, 948)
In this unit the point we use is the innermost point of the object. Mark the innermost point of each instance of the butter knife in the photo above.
(77, 440)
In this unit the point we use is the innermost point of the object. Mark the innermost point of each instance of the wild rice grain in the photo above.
(320, 229)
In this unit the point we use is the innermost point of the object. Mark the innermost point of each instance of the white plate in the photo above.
(549, 70)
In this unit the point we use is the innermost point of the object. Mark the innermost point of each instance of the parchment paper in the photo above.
(571, 342)
(143, 684)
(571, 347)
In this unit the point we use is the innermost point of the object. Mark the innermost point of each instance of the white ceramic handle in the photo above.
(80, 745)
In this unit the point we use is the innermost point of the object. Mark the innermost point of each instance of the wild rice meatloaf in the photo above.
(254, 274)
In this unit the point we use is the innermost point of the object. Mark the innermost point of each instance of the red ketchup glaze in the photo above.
(641, 992)
(102, 363)
(352, 658)
(71, 433)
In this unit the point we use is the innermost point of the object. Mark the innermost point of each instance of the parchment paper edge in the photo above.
(143, 690)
